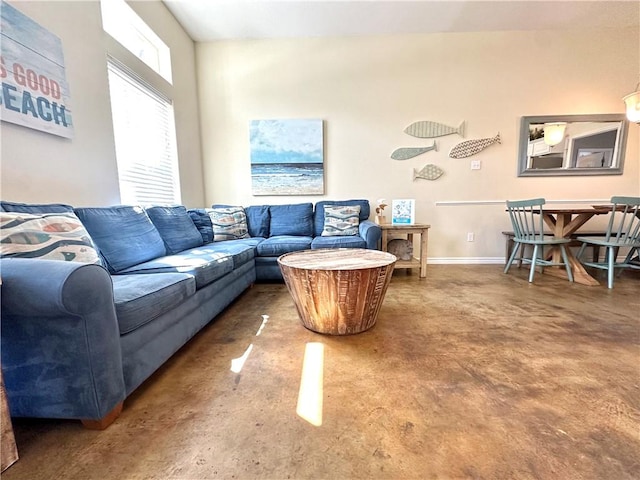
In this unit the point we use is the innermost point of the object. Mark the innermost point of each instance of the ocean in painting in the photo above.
(287, 178)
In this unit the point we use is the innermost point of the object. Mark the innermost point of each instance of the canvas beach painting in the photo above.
(287, 157)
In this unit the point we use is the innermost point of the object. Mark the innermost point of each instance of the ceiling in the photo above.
(210, 20)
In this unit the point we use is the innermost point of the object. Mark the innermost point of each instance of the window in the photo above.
(122, 23)
(144, 133)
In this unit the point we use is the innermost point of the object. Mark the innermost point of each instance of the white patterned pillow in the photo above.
(341, 220)
(229, 223)
(52, 236)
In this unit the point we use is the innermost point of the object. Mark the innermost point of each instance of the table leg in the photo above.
(424, 238)
(563, 228)
(580, 275)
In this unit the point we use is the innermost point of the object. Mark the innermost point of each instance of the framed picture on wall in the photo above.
(287, 157)
(403, 212)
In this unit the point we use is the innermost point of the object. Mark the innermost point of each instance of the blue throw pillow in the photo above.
(36, 208)
(124, 235)
(202, 221)
(296, 219)
(258, 220)
(318, 221)
(176, 228)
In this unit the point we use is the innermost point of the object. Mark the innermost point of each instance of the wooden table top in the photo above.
(337, 259)
(401, 226)
(595, 210)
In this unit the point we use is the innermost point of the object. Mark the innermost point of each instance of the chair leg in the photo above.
(533, 263)
(567, 265)
(596, 253)
(611, 255)
(581, 251)
(514, 251)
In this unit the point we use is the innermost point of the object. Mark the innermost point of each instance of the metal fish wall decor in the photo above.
(428, 172)
(471, 147)
(428, 129)
(409, 152)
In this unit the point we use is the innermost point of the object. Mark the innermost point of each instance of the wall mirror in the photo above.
(590, 145)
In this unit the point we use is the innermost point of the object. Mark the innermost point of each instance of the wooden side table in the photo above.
(390, 231)
(7, 441)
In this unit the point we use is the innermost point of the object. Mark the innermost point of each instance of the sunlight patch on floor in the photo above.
(311, 384)
(238, 363)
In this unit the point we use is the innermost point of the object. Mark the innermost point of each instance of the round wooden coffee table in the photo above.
(337, 291)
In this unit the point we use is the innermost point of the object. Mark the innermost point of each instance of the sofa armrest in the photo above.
(61, 354)
(371, 233)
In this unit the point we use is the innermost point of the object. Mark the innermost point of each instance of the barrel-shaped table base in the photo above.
(343, 300)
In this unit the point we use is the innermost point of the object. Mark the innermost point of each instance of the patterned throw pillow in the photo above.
(52, 236)
(229, 223)
(341, 220)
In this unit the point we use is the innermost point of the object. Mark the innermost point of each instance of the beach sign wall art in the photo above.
(287, 157)
(35, 93)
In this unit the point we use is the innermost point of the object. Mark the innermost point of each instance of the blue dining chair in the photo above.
(623, 232)
(528, 229)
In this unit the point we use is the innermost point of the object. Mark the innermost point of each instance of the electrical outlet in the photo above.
(476, 164)
(471, 237)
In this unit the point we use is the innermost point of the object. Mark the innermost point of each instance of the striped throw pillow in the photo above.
(52, 236)
(229, 223)
(341, 220)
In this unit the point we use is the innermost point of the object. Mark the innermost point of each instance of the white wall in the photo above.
(38, 167)
(368, 89)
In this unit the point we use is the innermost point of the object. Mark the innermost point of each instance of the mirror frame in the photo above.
(523, 171)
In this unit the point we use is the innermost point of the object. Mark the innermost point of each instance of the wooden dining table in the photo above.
(563, 222)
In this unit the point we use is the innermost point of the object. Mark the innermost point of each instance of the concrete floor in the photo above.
(467, 374)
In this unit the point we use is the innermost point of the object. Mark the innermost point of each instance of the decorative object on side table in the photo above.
(380, 218)
(401, 248)
(403, 212)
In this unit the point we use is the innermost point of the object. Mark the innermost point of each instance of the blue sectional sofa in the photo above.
(78, 338)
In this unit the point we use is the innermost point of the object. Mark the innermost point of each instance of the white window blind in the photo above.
(144, 130)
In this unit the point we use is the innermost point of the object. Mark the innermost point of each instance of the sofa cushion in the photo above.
(51, 236)
(141, 298)
(341, 220)
(202, 221)
(124, 235)
(175, 227)
(276, 246)
(318, 222)
(229, 223)
(258, 219)
(205, 266)
(36, 207)
(295, 219)
(239, 251)
(351, 241)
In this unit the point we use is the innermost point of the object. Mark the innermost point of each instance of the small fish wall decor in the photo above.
(471, 147)
(428, 129)
(428, 172)
(409, 152)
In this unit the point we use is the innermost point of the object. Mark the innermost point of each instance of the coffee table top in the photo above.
(337, 259)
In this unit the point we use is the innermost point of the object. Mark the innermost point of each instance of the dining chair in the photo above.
(528, 229)
(623, 231)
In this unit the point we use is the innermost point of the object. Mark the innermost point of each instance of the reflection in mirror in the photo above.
(590, 145)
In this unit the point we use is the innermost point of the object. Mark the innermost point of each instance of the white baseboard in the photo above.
(465, 260)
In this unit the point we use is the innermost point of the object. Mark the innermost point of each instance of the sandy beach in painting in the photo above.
(287, 179)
